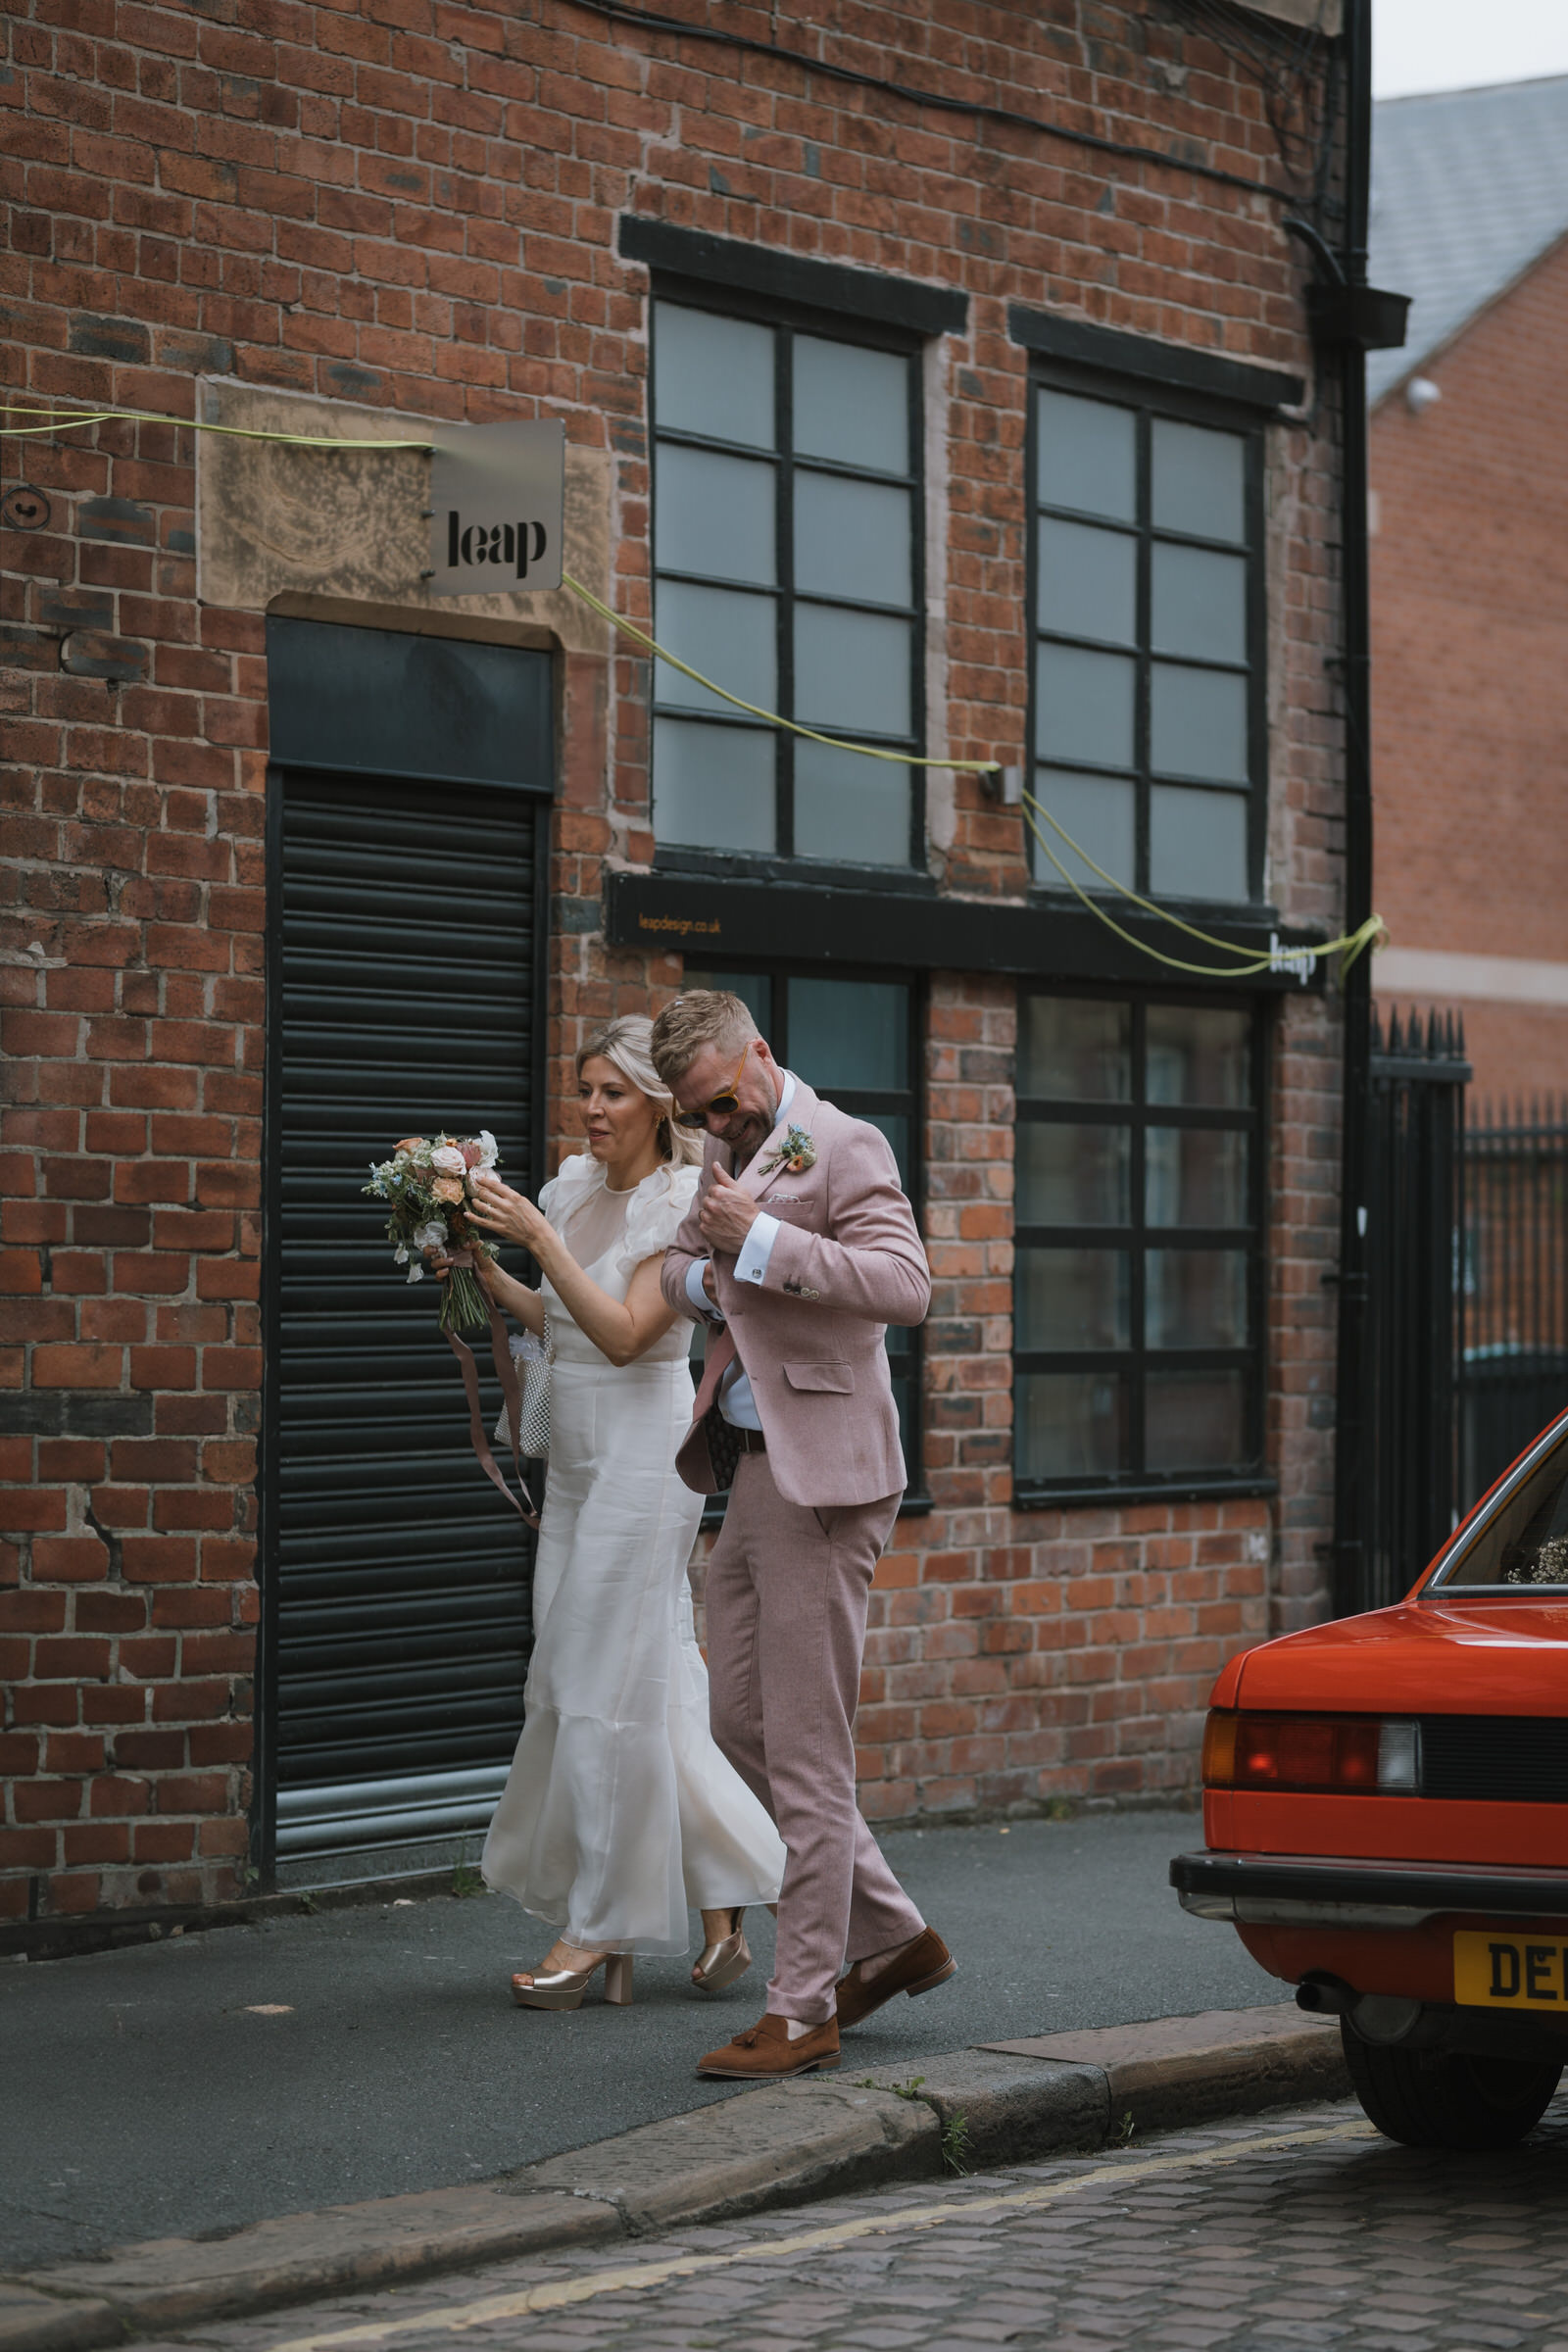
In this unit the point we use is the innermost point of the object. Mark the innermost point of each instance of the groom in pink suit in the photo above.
(799, 1251)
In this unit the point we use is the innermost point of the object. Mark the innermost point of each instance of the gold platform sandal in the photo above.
(564, 1988)
(720, 1964)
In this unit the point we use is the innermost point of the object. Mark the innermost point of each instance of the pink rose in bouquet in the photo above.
(425, 1187)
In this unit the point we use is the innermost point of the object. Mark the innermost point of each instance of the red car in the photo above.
(1385, 1809)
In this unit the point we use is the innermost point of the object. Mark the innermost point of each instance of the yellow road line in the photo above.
(557, 2294)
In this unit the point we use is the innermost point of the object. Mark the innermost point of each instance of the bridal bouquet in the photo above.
(426, 1184)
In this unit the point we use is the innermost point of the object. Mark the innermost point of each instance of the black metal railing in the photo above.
(1407, 1418)
(1513, 1288)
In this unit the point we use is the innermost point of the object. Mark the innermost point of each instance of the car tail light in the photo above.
(1345, 1754)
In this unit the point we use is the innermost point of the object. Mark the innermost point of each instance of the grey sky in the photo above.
(1459, 44)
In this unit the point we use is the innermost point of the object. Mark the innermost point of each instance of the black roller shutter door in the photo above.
(404, 1000)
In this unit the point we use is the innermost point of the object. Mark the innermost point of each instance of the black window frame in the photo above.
(1151, 397)
(701, 972)
(1137, 1114)
(790, 318)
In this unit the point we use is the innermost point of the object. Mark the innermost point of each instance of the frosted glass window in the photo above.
(714, 514)
(1195, 1420)
(851, 1033)
(1135, 1179)
(1198, 603)
(1071, 1175)
(1100, 812)
(728, 635)
(713, 786)
(712, 375)
(1199, 480)
(837, 418)
(1196, 844)
(1074, 1049)
(1196, 722)
(1195, 1176)
(849, 807)
(1086, 456)
(1084, 706)
(1071, 1425)
(1200, 1055)
(1070, 1299)
(1088, 582)
(852, 404)
(1196, 1297)
(852, 670)
(853, 539)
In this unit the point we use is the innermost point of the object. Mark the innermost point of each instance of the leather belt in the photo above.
(748, 1441)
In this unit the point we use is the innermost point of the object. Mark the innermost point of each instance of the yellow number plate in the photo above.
(1510, 1972)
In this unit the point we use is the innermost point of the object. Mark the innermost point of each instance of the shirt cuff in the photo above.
(757, 1248)
(697, 1295)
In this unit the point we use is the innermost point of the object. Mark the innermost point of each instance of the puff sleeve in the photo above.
(656, 1216)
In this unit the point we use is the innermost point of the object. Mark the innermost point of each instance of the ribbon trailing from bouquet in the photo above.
(506, 1374)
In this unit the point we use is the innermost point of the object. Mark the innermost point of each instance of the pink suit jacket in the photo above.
(847, 1263)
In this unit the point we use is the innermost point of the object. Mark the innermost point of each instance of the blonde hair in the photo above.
(624, 1041)
(702, 1016)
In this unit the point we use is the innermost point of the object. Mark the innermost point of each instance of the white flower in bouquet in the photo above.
(425, 1185)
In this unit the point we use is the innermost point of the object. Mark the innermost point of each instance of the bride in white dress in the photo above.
(620, 1813)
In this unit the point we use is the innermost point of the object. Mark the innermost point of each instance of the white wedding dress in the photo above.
(620, 1814)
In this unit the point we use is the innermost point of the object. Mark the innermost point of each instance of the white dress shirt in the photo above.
(735, 1403)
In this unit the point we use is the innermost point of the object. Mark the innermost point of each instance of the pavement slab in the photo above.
(774, 2148)
(202, 2084)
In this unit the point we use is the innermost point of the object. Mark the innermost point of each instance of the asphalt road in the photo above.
(1299, 2232)
(190, 2087)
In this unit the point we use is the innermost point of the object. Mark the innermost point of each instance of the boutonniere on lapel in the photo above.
(795, 1154)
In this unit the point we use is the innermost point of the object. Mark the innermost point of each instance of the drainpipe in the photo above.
(1349, 318)
(1353, 1417)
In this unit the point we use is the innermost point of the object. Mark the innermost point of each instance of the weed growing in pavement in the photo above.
(955, 2145)
(900, 2090)
(1125, 2130)
(466, 1880)
(308, 1903)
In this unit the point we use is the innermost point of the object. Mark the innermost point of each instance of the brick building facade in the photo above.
(1013, 455)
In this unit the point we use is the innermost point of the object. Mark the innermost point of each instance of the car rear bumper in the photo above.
(1344, 1891)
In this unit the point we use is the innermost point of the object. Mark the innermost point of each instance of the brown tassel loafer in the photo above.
(764, 2052)
(916, 1967)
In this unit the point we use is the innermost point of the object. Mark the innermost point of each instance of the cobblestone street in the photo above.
(1293, 2229)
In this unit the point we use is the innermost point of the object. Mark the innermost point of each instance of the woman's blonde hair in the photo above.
(624, 1041)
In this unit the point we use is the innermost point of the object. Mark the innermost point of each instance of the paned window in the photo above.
(1149, 703)
(855, 1041)
(787, 552)
(1138, 1300)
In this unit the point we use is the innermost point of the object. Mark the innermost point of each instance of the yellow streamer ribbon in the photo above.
(59, 423)
(837, 743)
(1370, 934)
(1352, 944)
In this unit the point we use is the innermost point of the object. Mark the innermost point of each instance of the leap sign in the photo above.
(497, 496)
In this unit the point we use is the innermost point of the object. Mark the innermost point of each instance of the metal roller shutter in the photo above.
(404, 1000)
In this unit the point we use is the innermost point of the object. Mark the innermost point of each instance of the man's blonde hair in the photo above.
(702, 1016)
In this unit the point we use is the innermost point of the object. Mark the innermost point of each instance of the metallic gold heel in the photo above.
(564, 1988)
(720, 1964)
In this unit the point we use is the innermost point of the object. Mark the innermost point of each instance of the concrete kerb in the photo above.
(976, 2109)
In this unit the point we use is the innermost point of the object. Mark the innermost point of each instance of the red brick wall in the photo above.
(413, 206)
(1470, 701)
